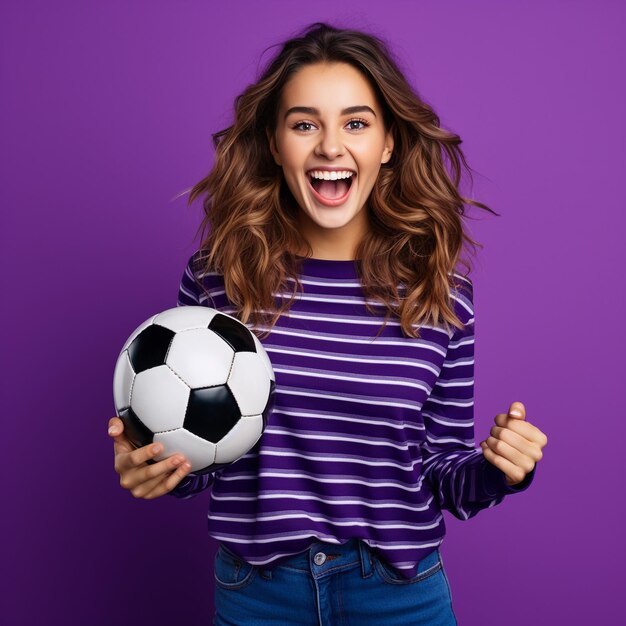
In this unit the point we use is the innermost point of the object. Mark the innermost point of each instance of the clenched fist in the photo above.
(515, 444)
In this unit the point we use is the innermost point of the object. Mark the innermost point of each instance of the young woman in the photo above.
(334, 231)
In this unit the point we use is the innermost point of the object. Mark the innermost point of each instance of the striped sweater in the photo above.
(369, 437)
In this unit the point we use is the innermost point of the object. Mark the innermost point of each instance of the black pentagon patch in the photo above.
(134, 429)
(211, 412)
(234, 333)
(149, 348)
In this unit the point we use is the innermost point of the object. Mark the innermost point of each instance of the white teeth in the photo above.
(330, 175)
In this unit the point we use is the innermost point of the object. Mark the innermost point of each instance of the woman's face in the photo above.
(341, 129)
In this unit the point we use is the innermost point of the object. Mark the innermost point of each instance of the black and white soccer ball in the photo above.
(198, 381)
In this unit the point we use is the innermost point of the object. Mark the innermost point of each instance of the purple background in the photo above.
(106, 113)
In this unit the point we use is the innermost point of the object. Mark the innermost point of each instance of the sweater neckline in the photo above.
(328, 268)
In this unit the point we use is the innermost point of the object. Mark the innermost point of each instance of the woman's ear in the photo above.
(388, 149)
(271, 140)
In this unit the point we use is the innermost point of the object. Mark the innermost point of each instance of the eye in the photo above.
(358, 121)
(297, 125)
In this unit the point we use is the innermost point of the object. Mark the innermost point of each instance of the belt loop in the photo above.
(366, 559)
(265, 573)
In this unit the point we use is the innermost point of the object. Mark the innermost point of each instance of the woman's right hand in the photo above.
(145, 480)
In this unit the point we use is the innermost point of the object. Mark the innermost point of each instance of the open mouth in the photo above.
(331, 192)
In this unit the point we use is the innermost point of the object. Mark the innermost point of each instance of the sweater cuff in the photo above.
(494, 480)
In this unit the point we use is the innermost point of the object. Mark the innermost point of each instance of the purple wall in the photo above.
(106, 116)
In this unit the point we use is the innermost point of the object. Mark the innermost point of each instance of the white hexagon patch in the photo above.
(249, 381)
(159, 399)
(122, 382)
(264, 356)
(199, 452)
(242, 436)
(200, 357)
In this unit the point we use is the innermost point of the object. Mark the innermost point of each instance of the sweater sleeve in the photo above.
(461, 478)
(189, 295)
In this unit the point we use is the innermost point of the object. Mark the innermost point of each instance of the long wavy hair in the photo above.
(250, 230)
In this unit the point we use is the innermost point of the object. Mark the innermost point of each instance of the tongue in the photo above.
(331, 188)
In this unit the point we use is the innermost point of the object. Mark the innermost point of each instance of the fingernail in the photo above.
(515, 412)
(113, 430)
(157, 448)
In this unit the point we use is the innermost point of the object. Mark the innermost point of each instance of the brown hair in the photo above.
(416, 233)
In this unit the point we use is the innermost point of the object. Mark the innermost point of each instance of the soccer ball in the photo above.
(198, 381)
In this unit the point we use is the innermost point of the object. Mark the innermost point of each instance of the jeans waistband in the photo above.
(323, 558)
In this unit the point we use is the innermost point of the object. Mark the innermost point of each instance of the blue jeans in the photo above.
(331, 585)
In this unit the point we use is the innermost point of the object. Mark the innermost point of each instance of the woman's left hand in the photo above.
(515, 445)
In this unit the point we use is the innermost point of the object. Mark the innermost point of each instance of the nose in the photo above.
(330, 144)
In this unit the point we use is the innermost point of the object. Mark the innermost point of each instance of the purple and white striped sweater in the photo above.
(369, 438)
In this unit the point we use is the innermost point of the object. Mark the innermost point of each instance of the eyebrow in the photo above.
(313, 111)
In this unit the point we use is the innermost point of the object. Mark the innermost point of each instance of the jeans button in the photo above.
(319, 558)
